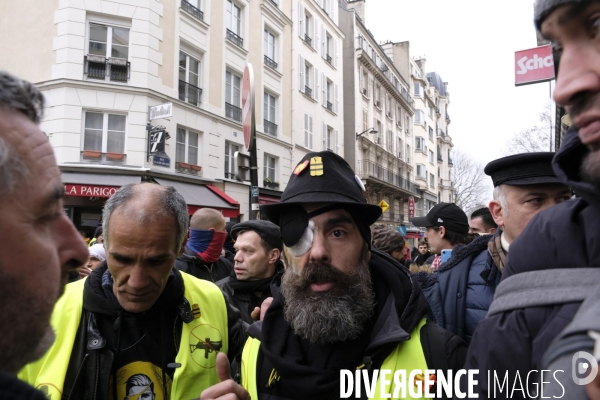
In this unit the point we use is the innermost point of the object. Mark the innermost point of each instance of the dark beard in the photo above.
(590, 168)
(336, 315)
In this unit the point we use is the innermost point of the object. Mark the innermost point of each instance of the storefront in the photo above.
(86, 193)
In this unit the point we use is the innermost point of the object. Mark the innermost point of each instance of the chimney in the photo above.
(359, 7)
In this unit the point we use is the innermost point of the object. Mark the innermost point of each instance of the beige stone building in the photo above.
(102, 64)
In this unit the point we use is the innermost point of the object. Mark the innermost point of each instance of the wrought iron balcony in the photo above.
(99, 67)
(437, 111)
(329, 106)
(439, 158)
(274, 2)
(308, 91)
(234, 38)
(450, 161)
(328, 59)
(369, 169)
(190, 93)
(270, 63)
(233, 112)
(447, 117)
(192, 10)
(270, 128)
(307, 39)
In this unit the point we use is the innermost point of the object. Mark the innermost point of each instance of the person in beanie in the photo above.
(97, 255)
(562, 237)
(258, 247)
(390, 241)
(202, 256)
(340, 304)
(98, 237)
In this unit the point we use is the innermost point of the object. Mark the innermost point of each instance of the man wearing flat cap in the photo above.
(341, 305)
(461, 291)
(258, 247)
(564, 237)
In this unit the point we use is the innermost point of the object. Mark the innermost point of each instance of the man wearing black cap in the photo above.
(461, 293)
(564, 236)
(257, 247)
(341, 305)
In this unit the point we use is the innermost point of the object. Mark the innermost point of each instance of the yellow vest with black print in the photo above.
(196, 355)
(407, 355)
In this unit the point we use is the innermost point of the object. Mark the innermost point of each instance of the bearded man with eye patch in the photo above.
(339, 304)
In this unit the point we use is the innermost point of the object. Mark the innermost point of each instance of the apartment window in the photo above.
(407, 125)
(308, 131)
(193, 7)
(104, 132)
(189, 70)
(408, 153)
(419, 143)
(186, 147)
(234, 23)
(378, 129)
(269, 44)
(431, 155)
(306, 84)
(305, 26)
(431, 180)
(328, 49)
(108, 52)
(365, 120)
(376, 97)
(431, 134)
(421, 171)
(329, 138)
(233, 96)
(418, 90)
(419, 117)
(329, 100)
(230, 150)
(400, 147)
(269, 114)
(269, 168)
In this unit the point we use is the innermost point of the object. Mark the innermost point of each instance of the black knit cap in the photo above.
(448, 215)
(268, 231)
(321, 177)
(543, 8)
(522, 169)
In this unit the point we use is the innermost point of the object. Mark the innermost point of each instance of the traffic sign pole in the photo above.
(249, 125)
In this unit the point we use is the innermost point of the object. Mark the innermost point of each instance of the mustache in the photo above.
(584, 102)
(318, 272)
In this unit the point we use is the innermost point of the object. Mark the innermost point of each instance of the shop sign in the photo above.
(90, 190)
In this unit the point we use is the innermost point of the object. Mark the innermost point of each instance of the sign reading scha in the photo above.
(160, 111)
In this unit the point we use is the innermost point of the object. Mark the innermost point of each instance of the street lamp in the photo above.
(370, 130)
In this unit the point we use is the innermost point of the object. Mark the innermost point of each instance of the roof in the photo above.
(436, 80)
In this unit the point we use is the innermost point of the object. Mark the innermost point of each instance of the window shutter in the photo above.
(337, 143)
(301, 83)
(323, 41)
(324, 83)
(305, 130)
(335, 101)
(310, 136)
(371, 87)
(301, 17)
(335, 53)
(335, 12)
(315, 42)
(324, 134)
(316, 91)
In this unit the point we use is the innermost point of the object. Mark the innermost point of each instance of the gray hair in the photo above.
(22, 96)
(172, 204)
(500, 197)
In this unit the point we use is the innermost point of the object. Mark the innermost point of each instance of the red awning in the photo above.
(264, 199)
(411, 235)
(222, 194)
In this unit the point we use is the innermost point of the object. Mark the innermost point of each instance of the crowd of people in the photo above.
(164, 306)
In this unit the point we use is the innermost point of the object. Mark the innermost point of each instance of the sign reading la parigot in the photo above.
(90, 190)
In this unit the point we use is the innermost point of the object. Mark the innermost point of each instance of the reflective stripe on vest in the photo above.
(407, 355)
(196, 373)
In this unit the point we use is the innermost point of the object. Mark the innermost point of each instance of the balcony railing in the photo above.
(447, 117)
(329, 106)
(328, 59)
(307, 39)
(439, 158)
(190, 93)
(270, 128)
(233, 112)
(274, 2)
(450, 161)
(437, 111)
(234, 38)
(270, 63)
(192, 10)
(308, 91)
(369, 169)
(99, 67)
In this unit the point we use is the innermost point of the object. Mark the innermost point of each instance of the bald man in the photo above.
(202, 256)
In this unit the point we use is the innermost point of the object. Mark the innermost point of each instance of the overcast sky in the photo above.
(471, 44)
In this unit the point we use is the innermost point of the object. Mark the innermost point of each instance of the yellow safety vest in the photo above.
(407, 355)
(196, 373)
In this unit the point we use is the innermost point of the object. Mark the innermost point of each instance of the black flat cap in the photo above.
(268, 231)
(324, 177)
(543, 8)
(522, 169)
(448, 215)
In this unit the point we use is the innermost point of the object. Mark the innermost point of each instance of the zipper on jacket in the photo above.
(97, 378)
(81, 366)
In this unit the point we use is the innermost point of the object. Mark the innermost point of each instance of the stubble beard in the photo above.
(590, 168)
(333, 316)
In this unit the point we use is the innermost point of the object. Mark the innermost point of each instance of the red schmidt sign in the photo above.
(534, 65)
(90, 190)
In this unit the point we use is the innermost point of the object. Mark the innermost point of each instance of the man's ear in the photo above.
(497, 212)
(442, 231)
(493, 230)
(185, 240)
(274, 257)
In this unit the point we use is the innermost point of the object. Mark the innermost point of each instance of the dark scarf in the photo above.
(313, 371)
(496, 251)
(207, 244)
